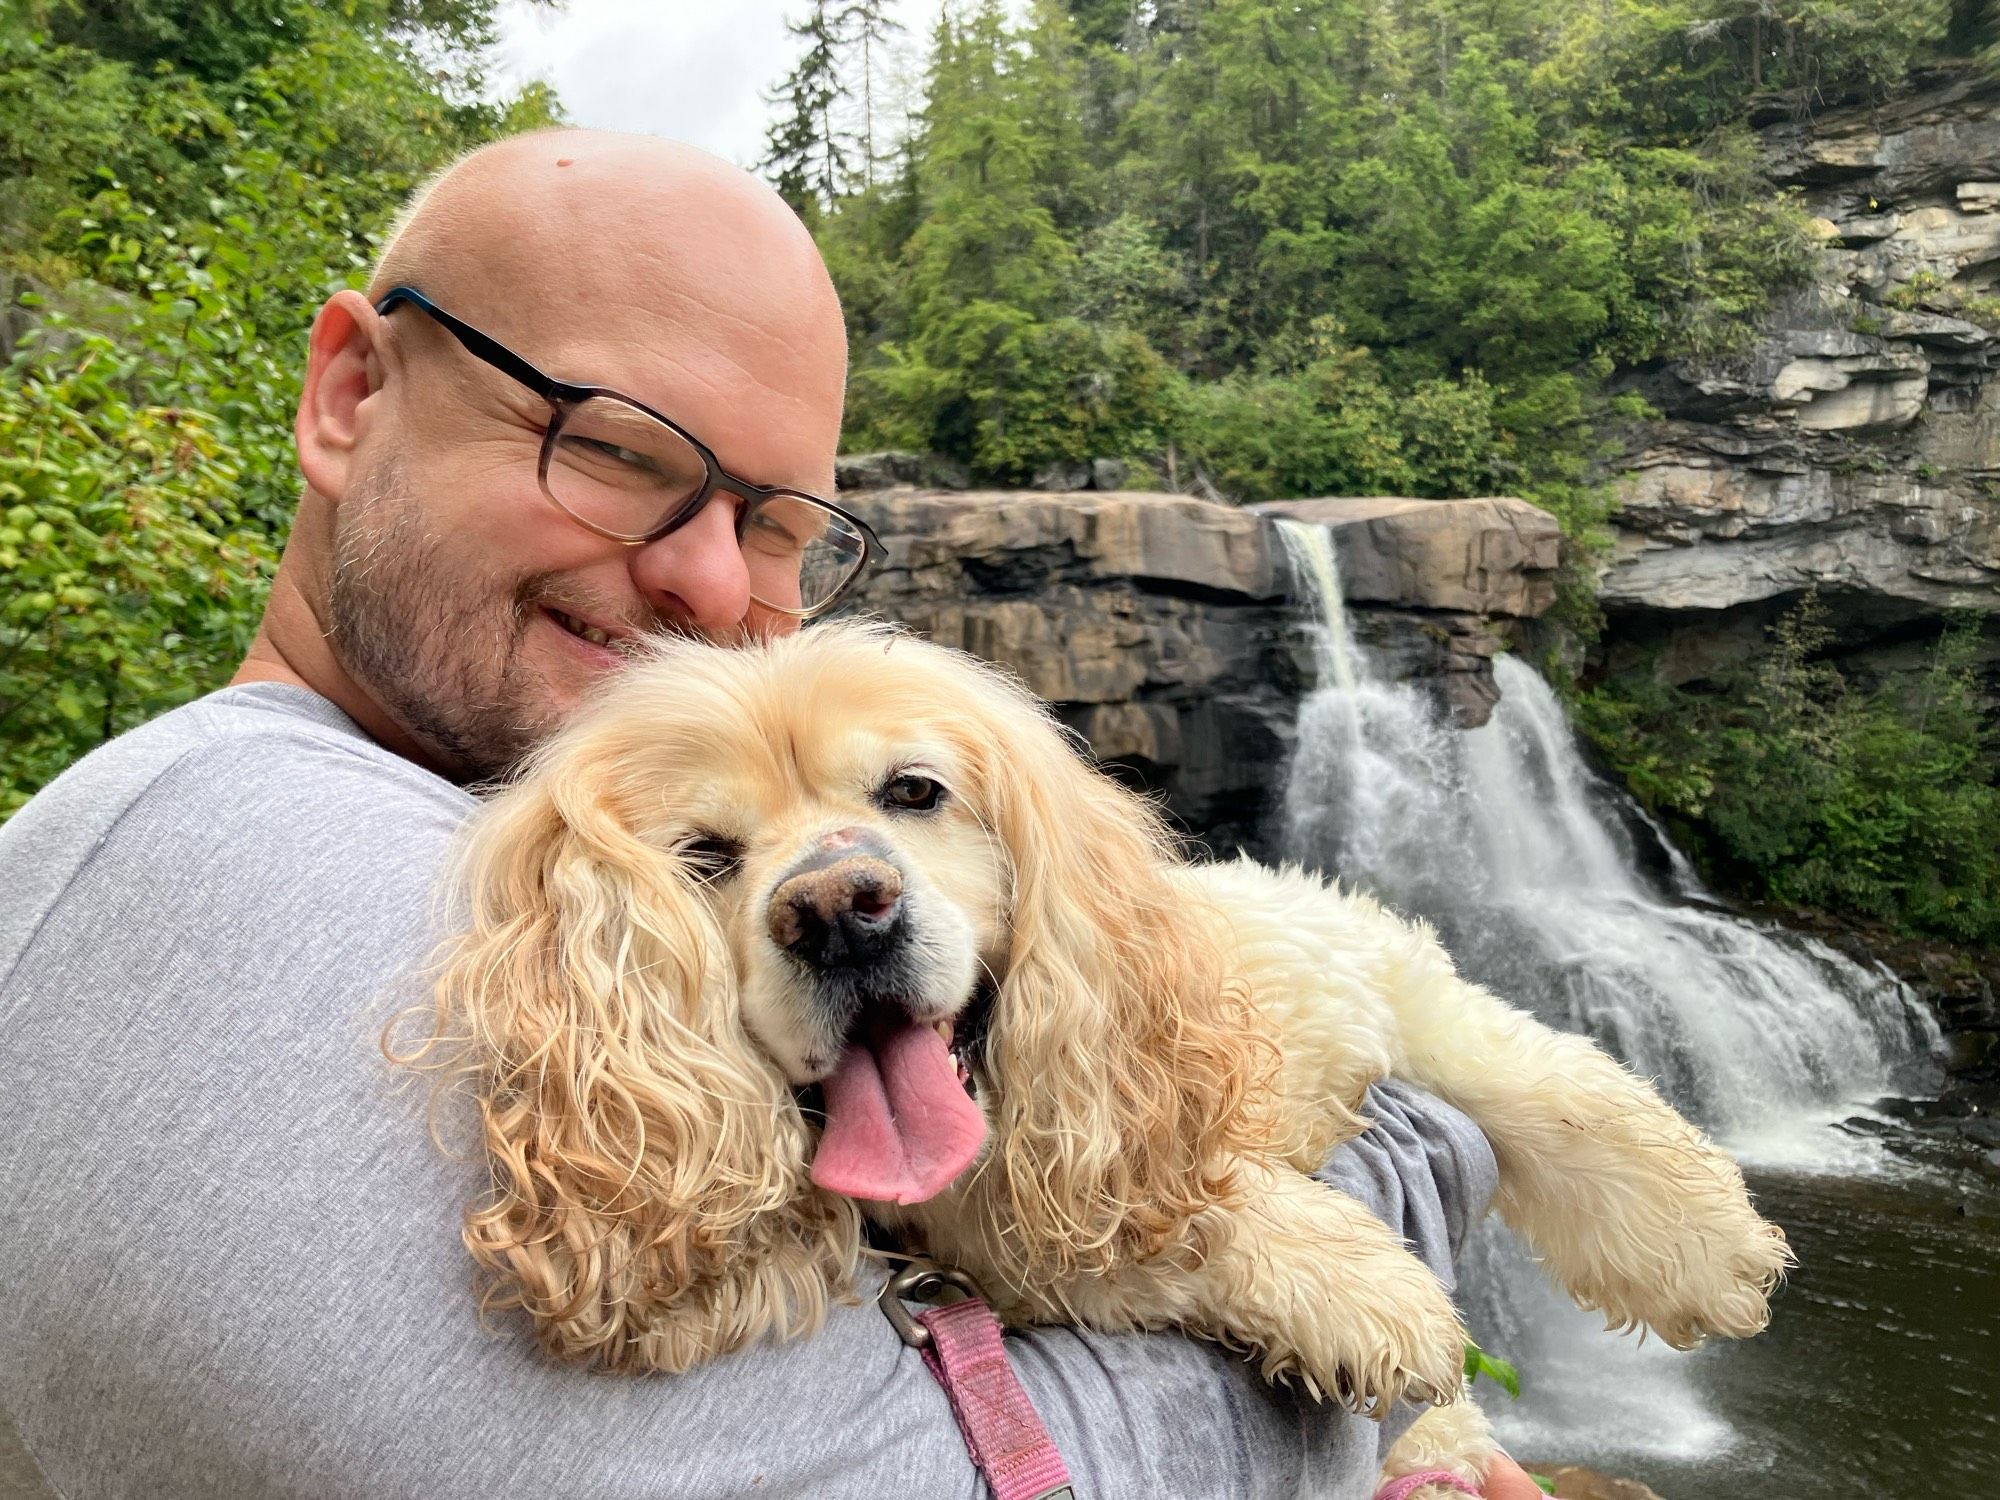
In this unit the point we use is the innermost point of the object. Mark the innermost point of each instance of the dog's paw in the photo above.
(1723, 1287)
(1388, 1333)
(1705, 1266)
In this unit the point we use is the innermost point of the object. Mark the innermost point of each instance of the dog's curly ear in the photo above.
(650, 1204)
(1129, 1067)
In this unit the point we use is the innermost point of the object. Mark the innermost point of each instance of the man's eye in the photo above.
(597, 448)
(769, 533)
(912, 793)
(711, 857)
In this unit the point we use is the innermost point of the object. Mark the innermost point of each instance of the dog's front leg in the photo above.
(1328, 1293)
(1626, 1203)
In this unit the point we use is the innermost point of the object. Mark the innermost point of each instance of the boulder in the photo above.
(878, 471)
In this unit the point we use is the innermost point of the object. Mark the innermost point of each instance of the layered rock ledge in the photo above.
(1854, 447)
(1163, 629)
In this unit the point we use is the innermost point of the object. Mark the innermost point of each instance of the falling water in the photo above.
(1531, 868)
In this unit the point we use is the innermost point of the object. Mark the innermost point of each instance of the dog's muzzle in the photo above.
(841, 907)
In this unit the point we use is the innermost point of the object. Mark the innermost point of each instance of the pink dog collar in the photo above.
(961, 1346)
(1409, 1484)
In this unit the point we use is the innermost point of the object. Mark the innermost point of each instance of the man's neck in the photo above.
(293, 646)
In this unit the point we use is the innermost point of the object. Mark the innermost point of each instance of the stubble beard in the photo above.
(438, 651)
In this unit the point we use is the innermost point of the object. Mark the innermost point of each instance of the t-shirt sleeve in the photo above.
(233, 1268)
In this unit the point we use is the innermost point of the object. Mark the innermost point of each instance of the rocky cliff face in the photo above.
(1854, 448)
(1162, 627)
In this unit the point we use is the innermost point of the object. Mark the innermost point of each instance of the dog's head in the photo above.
(851, 870)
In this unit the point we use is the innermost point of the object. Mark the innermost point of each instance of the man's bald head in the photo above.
(593, 230)
(432, 588)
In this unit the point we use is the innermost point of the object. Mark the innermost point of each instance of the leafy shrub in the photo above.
(1799, 789)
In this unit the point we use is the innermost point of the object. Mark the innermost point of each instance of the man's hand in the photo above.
(1507, 1480)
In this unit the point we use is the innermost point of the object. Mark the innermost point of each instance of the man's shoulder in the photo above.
(242, 777)
(264, 747)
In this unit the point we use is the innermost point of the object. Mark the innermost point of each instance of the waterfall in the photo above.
(1550, 887)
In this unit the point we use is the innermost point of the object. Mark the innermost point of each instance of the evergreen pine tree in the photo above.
(805, 154)
(866, 27)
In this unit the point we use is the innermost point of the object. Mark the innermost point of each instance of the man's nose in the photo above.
(696, 576)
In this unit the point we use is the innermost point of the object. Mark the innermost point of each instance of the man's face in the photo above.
(463, 600)
(456, 648)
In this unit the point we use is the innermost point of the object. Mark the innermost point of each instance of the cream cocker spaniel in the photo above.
(777, 936)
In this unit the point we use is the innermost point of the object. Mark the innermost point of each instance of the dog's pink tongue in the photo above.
(899, 1125)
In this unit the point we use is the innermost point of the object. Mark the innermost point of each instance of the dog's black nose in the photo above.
(842, 908)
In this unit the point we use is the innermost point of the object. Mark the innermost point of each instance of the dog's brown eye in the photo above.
(912, 793)
(711, 856)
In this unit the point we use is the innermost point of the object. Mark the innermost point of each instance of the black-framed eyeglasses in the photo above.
(631, 474)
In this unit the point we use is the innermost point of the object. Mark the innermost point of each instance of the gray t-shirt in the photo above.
(230, 1265)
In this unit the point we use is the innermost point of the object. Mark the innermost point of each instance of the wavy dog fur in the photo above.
(650, 1207)
(1171, 1049)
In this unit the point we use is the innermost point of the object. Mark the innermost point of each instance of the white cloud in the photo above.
(696, 70)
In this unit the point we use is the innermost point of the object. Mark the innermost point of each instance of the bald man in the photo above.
(232, 1266)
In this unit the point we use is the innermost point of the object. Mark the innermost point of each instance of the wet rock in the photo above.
(1960, 986)
(1981, 1130)
(1942, 1110)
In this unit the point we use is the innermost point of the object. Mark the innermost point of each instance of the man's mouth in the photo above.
(582, 630)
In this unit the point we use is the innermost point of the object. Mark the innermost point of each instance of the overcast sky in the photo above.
(696, 70)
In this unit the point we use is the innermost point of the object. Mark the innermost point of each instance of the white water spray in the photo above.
(1530, 867)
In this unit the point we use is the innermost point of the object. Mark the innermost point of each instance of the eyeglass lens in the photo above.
(623, 472)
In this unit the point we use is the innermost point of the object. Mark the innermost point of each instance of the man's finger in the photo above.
(1507, 1480)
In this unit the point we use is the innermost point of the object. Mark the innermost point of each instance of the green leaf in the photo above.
(1478, 1362)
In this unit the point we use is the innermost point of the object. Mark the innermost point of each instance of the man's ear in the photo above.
(342, 372)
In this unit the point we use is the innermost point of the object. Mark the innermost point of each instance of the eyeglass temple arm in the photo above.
(491, 350)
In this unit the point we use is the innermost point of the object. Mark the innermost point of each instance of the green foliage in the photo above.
(126, 551)
(219, 40)
(806, 155)
(178, 198)
(1375, 247)
(1335, 426)
(1478, 1362)
(1802, 790)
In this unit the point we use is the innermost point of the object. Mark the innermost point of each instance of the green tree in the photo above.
(992, 367)
(806, 154)
(868, 28)
(1797, 788)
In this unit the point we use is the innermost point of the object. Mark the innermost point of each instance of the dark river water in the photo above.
(1879, 1376)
